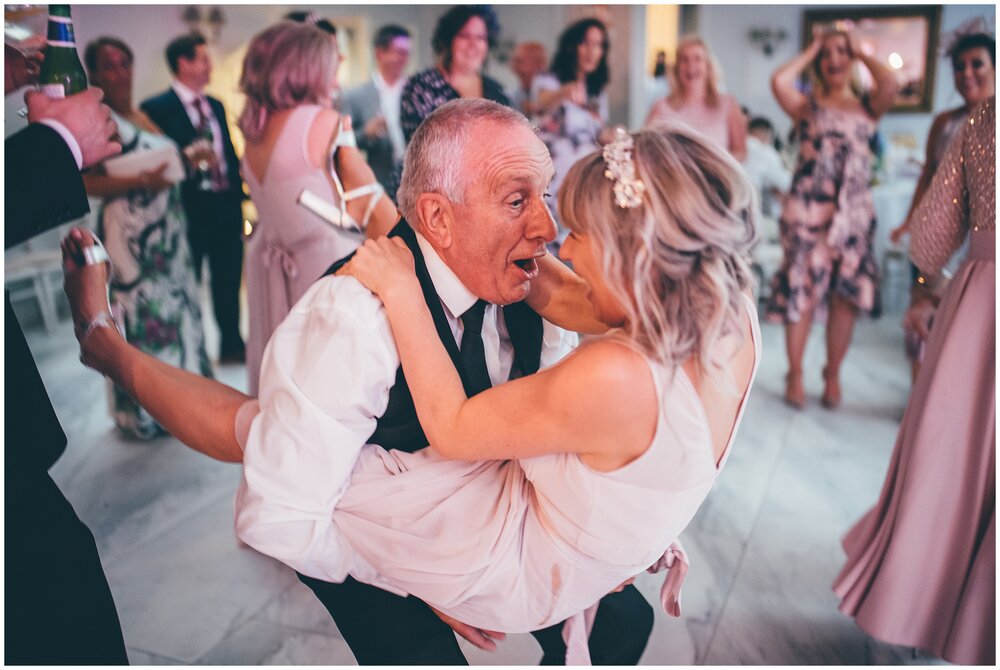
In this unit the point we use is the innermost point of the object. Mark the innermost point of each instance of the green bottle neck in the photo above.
(60, 32)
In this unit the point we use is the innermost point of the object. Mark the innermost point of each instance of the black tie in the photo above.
(473, 353)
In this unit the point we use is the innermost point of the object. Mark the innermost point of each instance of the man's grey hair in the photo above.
(435, 157)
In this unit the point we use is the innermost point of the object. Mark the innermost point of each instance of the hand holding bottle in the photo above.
(84, 117)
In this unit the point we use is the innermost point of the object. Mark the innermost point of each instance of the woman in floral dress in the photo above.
(828, 222)
(573, 100)
(142, 222)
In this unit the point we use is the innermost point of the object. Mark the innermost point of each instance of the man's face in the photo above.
(195, 72)
(393, 59)
(501, 230)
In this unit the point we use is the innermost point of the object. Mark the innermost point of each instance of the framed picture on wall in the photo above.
(904, 38)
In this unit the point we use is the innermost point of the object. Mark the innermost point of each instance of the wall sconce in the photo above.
(767, 39)
(194, 16)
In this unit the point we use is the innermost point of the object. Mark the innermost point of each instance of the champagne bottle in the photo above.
(62, 73)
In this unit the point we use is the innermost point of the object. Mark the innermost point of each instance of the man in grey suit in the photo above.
(374, 105)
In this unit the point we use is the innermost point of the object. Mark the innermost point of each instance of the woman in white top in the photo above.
(296, 142)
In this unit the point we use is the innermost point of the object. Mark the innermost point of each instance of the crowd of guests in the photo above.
(397, 140)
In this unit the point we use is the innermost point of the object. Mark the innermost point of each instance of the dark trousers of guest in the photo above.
(215, 225)
(384, 629)
(58, 608)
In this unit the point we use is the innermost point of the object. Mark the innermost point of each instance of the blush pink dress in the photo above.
(921, 564)
(712, 122)
(519, 545)
(290, 247)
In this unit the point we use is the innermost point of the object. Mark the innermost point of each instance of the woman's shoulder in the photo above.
(612, 364)
(429, 78)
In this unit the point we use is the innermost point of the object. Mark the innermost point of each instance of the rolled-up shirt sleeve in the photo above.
(325, 378)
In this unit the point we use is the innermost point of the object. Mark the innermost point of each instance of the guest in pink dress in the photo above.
(972, 59)
(292, 136)
(538, 496)
(827, 224)
(695, 99)
(921, 564)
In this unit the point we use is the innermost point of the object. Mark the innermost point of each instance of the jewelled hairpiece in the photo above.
(312, 18)
(621, 170)
(975, 25)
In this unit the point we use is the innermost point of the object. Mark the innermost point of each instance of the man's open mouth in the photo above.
(528, 265)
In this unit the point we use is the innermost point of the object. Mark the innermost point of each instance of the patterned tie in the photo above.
(219, 182)
(472, 351)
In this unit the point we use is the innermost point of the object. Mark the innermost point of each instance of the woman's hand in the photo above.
(154, 181)
(575, 92)
(385, 266)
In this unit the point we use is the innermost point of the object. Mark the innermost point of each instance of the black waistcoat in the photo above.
(398, 427)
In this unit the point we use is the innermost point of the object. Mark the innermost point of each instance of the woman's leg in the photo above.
(796, 336)
(199, 412)
(839, 330)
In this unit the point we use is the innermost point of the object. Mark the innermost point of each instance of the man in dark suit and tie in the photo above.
(59, 609)
(213, 194)
(374, 105)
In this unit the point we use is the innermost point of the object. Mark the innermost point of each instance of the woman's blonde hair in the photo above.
(678, 262)
(711, 73)
(287, 65)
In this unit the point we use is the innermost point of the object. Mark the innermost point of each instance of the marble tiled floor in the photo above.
(764, 548)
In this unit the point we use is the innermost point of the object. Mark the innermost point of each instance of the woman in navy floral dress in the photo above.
(461, 42)
(828, 221)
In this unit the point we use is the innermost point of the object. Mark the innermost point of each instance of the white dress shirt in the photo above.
(325, 380)
(766, 172)
(389, 97)
(189, 99)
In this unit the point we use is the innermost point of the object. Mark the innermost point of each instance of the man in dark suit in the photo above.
(374, 105)
(59, 609)
(213, 194)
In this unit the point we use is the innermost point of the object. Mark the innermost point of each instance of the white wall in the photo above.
(748, 71)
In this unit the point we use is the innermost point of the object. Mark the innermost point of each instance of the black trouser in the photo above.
(384, 629)
(57, 605)
(215, 225)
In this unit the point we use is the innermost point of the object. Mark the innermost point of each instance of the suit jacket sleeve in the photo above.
(43, 184)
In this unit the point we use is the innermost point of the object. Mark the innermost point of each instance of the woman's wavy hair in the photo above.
(565, 62)
(452, 22)
(678, 262)
(711, 72)
(287, 65)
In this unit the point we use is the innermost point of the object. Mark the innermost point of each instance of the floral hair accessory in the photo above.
(621, 170)
(312, 18)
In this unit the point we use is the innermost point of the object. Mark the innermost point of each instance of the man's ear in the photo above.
(437, 219)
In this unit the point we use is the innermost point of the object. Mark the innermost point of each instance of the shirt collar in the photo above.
(456, 298)
(382, 85)
(185, 93)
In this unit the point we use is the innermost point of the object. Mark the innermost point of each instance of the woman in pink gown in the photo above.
(293, 134)
(921, 564)
(613, 449)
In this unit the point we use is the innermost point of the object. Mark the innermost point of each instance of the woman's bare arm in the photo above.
(352, 170)
(783, 81)
(559, 295)
(598, 402)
